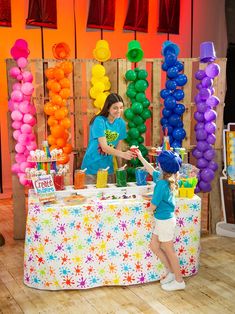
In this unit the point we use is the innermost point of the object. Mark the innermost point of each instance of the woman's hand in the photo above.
(128, 155)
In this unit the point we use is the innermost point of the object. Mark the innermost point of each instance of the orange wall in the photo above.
(118, 40)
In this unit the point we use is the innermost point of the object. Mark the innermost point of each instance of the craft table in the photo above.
(104, 241)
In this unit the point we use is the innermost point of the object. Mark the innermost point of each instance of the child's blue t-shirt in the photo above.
(163, 198)
(95, 158)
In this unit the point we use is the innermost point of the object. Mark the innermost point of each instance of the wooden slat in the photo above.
(156, 88)
(123, 67)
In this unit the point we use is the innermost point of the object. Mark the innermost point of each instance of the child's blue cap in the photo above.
(170, 162)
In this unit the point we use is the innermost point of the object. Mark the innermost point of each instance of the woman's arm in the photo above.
(113, 151)
(119, 159)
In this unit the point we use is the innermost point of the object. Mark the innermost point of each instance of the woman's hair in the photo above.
(172, 178)
(110, 100)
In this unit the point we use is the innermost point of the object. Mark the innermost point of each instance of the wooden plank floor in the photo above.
(212, 290)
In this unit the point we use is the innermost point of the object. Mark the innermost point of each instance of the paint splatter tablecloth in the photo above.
(102, 243)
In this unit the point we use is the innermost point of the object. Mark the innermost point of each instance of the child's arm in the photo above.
(146, 164)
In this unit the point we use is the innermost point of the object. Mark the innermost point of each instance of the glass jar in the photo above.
(102, 178)
(79, 179)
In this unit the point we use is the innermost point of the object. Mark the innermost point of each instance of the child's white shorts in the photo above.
(165, 229)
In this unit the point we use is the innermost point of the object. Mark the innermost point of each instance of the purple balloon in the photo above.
(201, 134)
(197, 153)
(202, 106)
(199, 125)
(197, 189)
(198, 116)
(200, 74)
(204, 186)
(210, 115)
(212, 90)
(211, 139)
(212, 101)
(202, 163)
(207, 175)
(202, 146)
(204, 93)
(213, 165)
(212, 70)
(207, 82)
(209, 154)
(210, 127)
(199, 86)
(197, 98)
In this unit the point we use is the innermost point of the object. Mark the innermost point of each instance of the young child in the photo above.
(163, 203)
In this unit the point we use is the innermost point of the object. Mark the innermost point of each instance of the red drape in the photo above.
(101, 14)
(5, 12)
(169, 16)
(42, 13)
(137, 16)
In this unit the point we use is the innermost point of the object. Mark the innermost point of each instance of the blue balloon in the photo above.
(170, 59)
(164, 66)
(179, 65)
(166, 113)
(179, 124)
(169, 128)
(179, 109)
(179, 134)
(181, 79)
(176, 144)
(178, 94)
(170, 102)
(174, 119)
(171, 139)
(171, 85)
(164, 93)
(172, 72)
(164, 121)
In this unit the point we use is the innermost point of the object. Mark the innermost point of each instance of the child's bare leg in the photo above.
(168, 248)
(155, 247)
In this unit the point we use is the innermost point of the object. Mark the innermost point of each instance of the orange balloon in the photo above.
(55, 87)
(53, 147)
(57, 131)
(65, 93)
(64, 159)
(58, 74)
(52, 121)
(49, 83)
(61, 142)
(51, 140)
(66, 122)
(56, 99)
(67, 149)
(49, 109)
(67, 66)
(66, 135)
(65, 83)
(49, 73)
(60, 114)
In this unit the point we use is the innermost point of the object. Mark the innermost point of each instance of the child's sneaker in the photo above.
(174, 285)
(169, 277)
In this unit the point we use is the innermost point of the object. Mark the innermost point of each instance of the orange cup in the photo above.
(79, 179)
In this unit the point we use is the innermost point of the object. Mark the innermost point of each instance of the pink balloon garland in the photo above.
(22, 111)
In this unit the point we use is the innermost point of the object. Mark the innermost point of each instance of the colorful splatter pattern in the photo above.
(103, 243)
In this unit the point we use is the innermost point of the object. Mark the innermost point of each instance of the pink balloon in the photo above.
(22, 62)
(32, 137)
(32, 109)
(33, 122)
(24, 165)
(14, 71)
(16, 134)
(28, 118)
(18, 52)
(26, 128)
(19, 148)
(26, 97)
(27, 76)
(17, 95)
(23, 180)
(15, 168)
(23, 138)
(32, 146)
(16, 115)
(16, 86)
(26, 153)
(16, 125)
(19, 77)
(20, 158)
(24, 106)
(27, 88)
(21, 43)
(10, 105)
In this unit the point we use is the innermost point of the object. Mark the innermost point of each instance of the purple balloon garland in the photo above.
(205, 127)
(173, 110)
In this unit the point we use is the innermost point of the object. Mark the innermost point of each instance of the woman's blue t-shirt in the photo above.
(95, 158)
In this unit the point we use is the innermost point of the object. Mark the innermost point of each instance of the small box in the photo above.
(186, 192)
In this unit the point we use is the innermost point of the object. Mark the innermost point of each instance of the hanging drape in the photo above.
(5, 12)
(101, 14)
(169, 16)
(42, 13)
(137, 16)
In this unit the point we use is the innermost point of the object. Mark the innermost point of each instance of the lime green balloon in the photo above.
(140, 139)
(130, 75)
(137, 107)
(141, 128)
(133, 133)
(131, 93)
(142, 74)
(141, 85)
(128, 113)
(131, 125)
(146, 103)
(140, 97)
(146, 114)
(138, 120)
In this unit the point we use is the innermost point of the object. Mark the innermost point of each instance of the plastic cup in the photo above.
(58, 182)
(207, 52)
(121, 177)
(135, 53)
(102, 178)
(141, 176)
(102, 54)
(79, 179)
(102, 43)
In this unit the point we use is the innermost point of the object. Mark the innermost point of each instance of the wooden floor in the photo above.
(212, 290)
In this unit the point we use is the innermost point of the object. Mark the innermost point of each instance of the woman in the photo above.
(107, 130)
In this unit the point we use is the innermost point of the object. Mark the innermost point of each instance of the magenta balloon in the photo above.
(210, 115)
(197, 153)
(202, 163)
(207, 175)
(32, 137)
(23, 180)
(19, 148)
(209, 154)
(16, 134)
(213, 165)
(32, 146)
(17, 52)
(14, 72)
(207, 82)
(28, 118)
(23, 138)
(26, 152)
(24, 165)
(27, 76)
(27, 88)
(21, 43)
(211, 139)
(15, 168)
(32, 109)
(17, 95)
(200, 74)
(212, 101)
(212, 70)
(22, 62)
(198, 116)
(10, 105)
(27, 97)
(20, 158)
(19, 77)
(199, 125)
(204, 186)
(16, 86)
(202, 106)
(202, 146)
(204, 93)
(33, 121)
(201, 134)
(26, 128)
(210, 127)
(16, 125)
(16, 115)
(24, 106)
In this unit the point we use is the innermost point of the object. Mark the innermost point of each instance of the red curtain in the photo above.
(101, 14)
(137, 16)
(42, 13)
(5, 12)
(169, 16)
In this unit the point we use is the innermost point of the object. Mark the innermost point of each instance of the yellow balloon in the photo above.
(99, 87)
(97, 105)
(93, 93)
(98, 70)
(100, 99)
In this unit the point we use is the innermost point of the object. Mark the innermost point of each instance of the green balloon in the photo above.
(140, 97)
(146, 103)
(128, 139)
(137, 107)
(136, 70)
(131, 93)
(138, 120)
(128, 113)
(141, 85)
(133, 142)
(142, 74)
(141, 147)
(130, 75)
(133, 133)
(131, 125)
(141, 128)
(146, 114)
(131, 85)
(140, 139)
(134, 161)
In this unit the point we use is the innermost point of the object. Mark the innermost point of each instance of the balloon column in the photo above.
(100, 82)
(205, 127)
(22, 110)
(139, 111)
(56, 108)
(173, 111)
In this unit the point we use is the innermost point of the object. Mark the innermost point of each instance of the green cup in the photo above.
(121, 177)
(134, 53)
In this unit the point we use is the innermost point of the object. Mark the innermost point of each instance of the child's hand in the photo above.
(138, 154)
